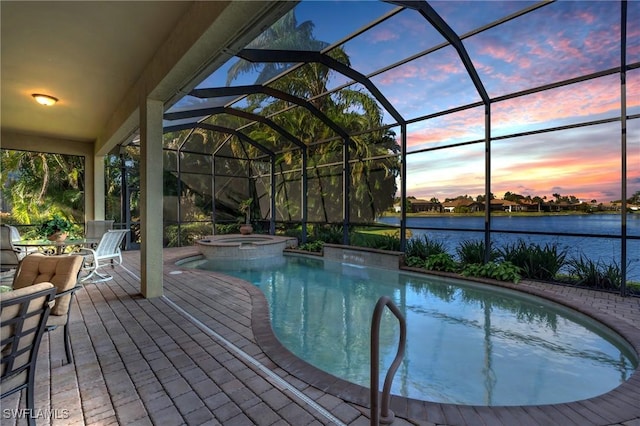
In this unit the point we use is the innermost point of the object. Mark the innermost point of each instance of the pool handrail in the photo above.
(384, 415)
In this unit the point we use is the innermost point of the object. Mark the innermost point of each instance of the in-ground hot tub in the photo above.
(238, 246)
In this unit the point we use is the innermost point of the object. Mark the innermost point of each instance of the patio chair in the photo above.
(96, 229)
(23, 316)
(22, 251)
(62, 272)
(107, 253)
(9, 256)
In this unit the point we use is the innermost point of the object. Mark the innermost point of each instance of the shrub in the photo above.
(314, 246)
(633, 287)
(388, 242)
(472, 251)
(504, 271)
(189, 234)
(291, 232)
(441, 262)
(596, 274)
(55, 224)
(381, 242)
(424, 247)
(330, 234)
(535, 262)
(223, 228)
(414, 261)
(612, 274)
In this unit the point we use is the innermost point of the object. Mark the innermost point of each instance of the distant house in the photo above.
(496, 205)
(504, 205)
(617, 206)
(607, 206)
(418, 206)
(524, 206)
(448, 207)
(567, 206)
(549, 207)
(455, 205)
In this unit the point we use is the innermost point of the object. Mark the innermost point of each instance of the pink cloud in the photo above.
(435, 68)
(431, 136)
(464, 125)
(580, 100)
(601, 42)
(633, 46)
(449, 68)
(601, 184)
(581, 162)
(565, 47)
(498, 52)
(584, 163)
(587, 42)
(382, 35)
(508, 54)
(586, 17)
(399, 74)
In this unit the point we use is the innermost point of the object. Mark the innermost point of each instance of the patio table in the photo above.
(56, 247)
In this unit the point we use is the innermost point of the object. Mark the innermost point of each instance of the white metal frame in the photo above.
(106, 253)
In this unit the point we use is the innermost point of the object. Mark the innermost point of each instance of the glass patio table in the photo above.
(56, 247)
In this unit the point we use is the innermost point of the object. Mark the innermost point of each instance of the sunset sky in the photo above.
(556, 42)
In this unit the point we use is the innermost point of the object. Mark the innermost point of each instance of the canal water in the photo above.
(604, 248)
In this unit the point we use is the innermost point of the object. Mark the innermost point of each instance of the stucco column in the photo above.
(98, 190)
(91, 180)
(151, 197)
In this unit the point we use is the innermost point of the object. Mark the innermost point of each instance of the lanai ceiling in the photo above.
(88, 55)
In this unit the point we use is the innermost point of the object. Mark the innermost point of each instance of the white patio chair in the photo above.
(22, 251)
(96, 229)
(107, 253)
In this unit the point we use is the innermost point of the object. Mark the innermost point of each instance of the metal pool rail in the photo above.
(384, 415)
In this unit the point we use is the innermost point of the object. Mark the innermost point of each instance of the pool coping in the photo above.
(616, 406)
(243, 246)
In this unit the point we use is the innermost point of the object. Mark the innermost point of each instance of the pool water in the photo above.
(466, 344)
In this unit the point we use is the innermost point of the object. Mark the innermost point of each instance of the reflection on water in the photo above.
(465, 344)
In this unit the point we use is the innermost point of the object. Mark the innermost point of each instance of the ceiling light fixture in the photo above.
(44, 99)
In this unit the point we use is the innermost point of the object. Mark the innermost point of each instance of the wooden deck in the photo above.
(203, 354)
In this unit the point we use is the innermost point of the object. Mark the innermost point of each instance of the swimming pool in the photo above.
(466, 345)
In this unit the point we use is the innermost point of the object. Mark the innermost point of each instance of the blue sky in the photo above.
(559, 41)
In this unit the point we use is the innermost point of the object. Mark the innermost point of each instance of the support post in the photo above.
(151, 223)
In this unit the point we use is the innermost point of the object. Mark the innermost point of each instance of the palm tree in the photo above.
(37, 185)
(373, 181)
(285, 34)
